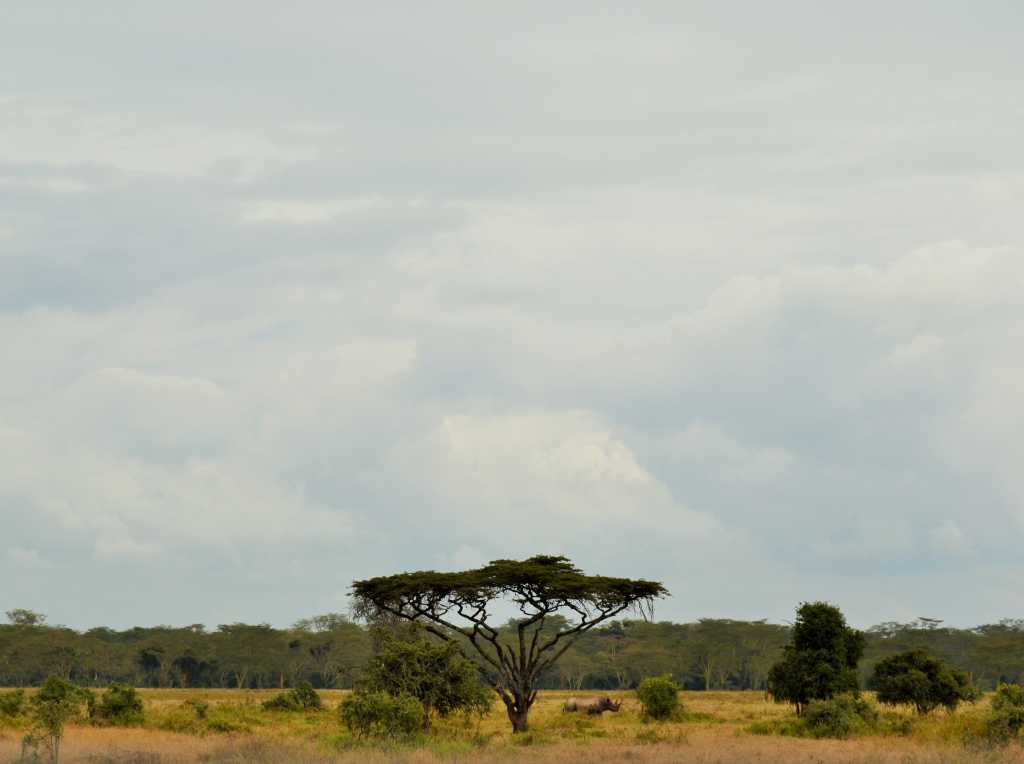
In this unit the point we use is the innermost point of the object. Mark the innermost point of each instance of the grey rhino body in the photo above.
(590, 705)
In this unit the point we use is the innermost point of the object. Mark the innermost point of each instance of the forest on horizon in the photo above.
(330, 651)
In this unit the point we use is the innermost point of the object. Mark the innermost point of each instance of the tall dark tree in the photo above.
(459, 607)
(822, 659)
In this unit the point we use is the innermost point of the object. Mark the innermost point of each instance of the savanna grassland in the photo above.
(716, 727)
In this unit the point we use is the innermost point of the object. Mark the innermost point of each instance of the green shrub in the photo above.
(201, 707)
(1004, 722)
(224, 724)
(12, 703)
(301, 698)
(120, 706)
(377, 714)
(840, 717)
(659, 697)
(433, 672)
(921, 680)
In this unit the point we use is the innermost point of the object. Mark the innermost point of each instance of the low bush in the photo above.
(200, 707)
(377, 714)
(659, 697)
(840, 717)
(433, 672)
(1006, 717)
(120, 705)
(12, 703)
(301, 698)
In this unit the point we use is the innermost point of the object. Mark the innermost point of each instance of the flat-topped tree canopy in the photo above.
(538, 586)
(458, 603)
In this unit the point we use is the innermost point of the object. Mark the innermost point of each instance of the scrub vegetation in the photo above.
(432, 666)
(723, 727)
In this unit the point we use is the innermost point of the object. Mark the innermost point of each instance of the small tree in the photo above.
(659, 697)
(432, 671)
(458, 606)
(23, 617)
(56, 702)
(921, 680)
(821, 661)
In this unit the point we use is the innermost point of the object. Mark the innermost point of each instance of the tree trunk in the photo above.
(517, 705)
(519, 719)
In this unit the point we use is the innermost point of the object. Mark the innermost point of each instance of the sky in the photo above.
(725, 295)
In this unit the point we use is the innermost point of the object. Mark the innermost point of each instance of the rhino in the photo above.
(590, 705)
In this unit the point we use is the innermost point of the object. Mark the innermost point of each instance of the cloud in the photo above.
(26, 559)
(372, 292)
(947, 538)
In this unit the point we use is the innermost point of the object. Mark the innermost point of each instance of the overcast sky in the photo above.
(729, 295)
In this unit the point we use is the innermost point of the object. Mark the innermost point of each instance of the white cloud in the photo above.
(947, 538)
(283, 293)
(27, 559)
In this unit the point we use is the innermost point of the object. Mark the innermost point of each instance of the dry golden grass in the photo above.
(715, 733)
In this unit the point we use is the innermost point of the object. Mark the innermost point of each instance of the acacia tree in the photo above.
(458, 606)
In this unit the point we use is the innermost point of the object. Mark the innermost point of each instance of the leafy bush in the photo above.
(840, 717)
(433, 672)
(921, 680)
(301, 698)
(377, 714)
(12, 703)
(1004, 722)
(659, 697)
(120, 705)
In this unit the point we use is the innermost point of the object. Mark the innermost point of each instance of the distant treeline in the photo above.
(331, 651)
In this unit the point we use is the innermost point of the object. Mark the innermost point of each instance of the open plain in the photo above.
(716, 729)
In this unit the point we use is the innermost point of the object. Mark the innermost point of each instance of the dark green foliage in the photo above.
(710, 654)
(301, 698)
(921, 680)
(377, 714)
(455, 606)
(821, 662)
(840, 717)
(56, 703)
(59, 692)
(1006, 718)
(201, 707)
(659, 697)
(119, 706)
(432, 671)
(12, 703)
